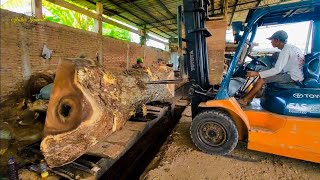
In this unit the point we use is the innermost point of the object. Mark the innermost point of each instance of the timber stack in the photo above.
(89, 102)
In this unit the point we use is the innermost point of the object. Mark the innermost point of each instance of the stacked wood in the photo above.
(89, 103)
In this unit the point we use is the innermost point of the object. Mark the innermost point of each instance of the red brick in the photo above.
(65, 42)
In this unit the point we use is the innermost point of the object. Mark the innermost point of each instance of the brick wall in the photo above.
(216, 49)
(22, 43)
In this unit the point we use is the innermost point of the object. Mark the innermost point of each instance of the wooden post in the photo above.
(225, 9)
(37, 9)
(98, 22)
(98, 29)
(25, 54)
(144, 52)
(128, 56)
(143, 36)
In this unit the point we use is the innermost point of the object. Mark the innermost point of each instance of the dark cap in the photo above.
(281, 35)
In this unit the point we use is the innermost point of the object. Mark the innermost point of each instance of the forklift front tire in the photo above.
(214, 132)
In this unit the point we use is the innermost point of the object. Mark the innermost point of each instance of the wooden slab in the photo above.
(106, 149)
(115, 145)
(182, 103)
(136, 126)
(123, 136)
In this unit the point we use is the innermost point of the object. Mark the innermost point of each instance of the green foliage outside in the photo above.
(115, 32)
(20, 6)
(58, 14)
(67, 17)
(78, 20)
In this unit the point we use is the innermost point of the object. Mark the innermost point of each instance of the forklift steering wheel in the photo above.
(257, 61)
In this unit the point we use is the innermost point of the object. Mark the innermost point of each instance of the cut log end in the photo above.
(88, 103)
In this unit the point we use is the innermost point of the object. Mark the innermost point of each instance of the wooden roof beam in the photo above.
(233, 11)
(143, 10)
(164, 7)
(166, 22)
(258, 3)
(239, 4)
(116, 14)
(246, 9)
(156, 26)
(127, 10)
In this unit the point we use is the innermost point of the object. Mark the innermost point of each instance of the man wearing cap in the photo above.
(288, 67)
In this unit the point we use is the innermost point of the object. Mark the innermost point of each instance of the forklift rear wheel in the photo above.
(214, 132)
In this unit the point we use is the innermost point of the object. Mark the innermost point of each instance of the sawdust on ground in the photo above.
(180, 159)
(21, 129)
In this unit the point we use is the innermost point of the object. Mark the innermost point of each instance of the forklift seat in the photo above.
(311, 70)
(291, 101)
(296, 99)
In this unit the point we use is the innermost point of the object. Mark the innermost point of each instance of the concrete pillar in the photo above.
(25, 56)
(37, 9)
(174, 59)
(174, 48)
(143, 41)
(144, 52)
(128, 56)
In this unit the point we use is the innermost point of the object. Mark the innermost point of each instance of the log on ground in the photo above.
(89, 103)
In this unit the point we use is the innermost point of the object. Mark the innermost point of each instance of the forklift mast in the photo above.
(195, 15)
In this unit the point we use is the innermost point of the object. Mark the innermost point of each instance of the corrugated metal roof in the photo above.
(159, 16)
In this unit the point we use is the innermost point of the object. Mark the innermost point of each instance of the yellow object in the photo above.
(295, 137)
(133, 113)
(144, 110)
(44, 175)
(152, 76)
(109, 78)
(43, 168)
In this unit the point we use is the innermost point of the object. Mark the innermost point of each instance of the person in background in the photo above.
(161, 62)
(288, 67)
(139, 64)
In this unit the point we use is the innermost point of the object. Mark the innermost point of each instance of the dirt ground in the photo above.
(19, 127)
(180, 159)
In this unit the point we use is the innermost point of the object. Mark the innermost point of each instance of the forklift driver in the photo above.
(288, 67)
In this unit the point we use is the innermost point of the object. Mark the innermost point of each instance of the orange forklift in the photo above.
(285, 120)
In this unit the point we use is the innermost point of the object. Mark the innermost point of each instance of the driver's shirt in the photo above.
(290, 60)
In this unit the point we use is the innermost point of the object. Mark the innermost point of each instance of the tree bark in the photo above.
(88, 103)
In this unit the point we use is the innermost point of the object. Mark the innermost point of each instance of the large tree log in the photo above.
(88, 103)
